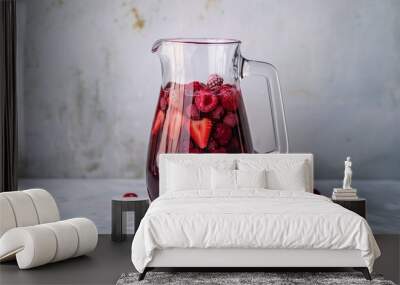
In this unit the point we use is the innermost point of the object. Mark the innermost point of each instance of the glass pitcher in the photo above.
(200, 107)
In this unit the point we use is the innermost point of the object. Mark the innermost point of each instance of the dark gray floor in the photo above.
(110, 260)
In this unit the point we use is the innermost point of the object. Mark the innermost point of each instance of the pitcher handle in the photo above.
(269, 72)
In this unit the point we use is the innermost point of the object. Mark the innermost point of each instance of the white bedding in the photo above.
(251, 218)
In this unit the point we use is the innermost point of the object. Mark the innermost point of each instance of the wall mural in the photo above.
(88, 85)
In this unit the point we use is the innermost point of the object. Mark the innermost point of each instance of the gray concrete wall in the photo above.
(91, 83)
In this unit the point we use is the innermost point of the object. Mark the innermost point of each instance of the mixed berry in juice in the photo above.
(197, 117)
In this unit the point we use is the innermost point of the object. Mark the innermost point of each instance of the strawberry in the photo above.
(200, 132)
(158, 121)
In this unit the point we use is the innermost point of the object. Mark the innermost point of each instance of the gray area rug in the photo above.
(229, 278)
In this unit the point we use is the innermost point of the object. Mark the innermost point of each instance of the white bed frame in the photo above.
(246, 258)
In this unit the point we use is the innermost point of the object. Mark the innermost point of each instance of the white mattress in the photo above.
(251, 219)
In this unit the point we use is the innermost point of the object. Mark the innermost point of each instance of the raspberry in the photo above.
(227, 85)
(205, 101)
(192, 112)
(214, 82)
(230, 120)
(217, 113)
(192, 87)
(229, 98)
(234, 146)
(222, 134)
(212, 145)
(221, 149)
(197, 86)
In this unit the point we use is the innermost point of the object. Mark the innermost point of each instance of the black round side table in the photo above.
(122, 205)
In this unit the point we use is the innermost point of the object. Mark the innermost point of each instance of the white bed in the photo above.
(249, 227)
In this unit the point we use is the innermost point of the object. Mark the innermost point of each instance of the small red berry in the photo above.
(230, 119)
(214, 82)
(197, 86)
(217, 113)
(234, 146)
(221, 149)
(205, 101)
(229, 98)
(192, 87)
(212, 145)
(222, 134)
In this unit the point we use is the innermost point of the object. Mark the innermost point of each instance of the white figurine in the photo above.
(348, 173)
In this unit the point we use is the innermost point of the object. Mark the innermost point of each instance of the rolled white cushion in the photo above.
(67, 240)
(87, 233)
(23, 208)
(46, 207)
(33, 246)
(7, 219)
(37, 245)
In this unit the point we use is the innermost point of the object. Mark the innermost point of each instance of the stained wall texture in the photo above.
(89, 82)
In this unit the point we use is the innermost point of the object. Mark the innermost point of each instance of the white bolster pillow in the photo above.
(40, 244)
(45, 205)
(23, 209)
(87, 235)
(7, 218)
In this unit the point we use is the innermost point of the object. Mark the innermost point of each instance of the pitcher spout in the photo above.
(156, 46)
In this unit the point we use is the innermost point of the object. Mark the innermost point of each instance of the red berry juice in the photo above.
(197, 118)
